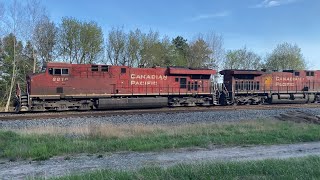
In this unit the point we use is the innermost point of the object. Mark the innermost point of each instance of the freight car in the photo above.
(63, 86)
(257, 87)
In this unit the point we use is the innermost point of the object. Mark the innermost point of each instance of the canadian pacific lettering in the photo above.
(154, 77)
(145, 80)
(287, 81)
(289, 78)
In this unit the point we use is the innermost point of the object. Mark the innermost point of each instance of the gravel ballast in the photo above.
(155, 119)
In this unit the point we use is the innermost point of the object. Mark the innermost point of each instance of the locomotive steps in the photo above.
(299, 117)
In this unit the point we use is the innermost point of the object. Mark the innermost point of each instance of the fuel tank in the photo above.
(130, 103)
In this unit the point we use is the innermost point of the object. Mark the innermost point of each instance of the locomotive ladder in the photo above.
(225, 90)
(215, 94)
(220, 94)
(22, 100)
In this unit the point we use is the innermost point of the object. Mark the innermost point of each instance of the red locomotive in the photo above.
(63, 86)
(256, 87)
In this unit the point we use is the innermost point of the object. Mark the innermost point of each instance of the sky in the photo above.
(258, 25)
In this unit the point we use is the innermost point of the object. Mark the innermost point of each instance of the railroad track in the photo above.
(5, 116)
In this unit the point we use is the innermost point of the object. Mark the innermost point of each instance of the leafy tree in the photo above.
(232, 60)
(24, 61)
(286, 56)
(69, 39)
(150, 42)
(134, 46)
(26, 65)
(116, 46)
(45, 39)
(181, 51)
(180, 44)
(167, 53)
(242, 59)
(160, 53)
(91, 42)
(199, 54)
(12, 60)
(80, 42)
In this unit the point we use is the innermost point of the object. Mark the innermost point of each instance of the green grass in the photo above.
(300, 168)
(2, 108)
(40, 147)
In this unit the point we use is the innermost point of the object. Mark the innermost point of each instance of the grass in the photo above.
(2, 109)
(299, 168)
(111, 138)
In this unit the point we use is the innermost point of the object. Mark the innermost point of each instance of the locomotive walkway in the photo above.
(60, 166)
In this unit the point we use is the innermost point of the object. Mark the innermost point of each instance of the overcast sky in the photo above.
(257, 24)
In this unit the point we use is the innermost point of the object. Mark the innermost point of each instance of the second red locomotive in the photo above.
(288, 86)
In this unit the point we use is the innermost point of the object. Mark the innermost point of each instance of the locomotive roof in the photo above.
(58, 64)
(238, 71)
(172, 70)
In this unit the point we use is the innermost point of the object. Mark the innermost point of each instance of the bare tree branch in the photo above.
(14, 23)
(45, 39)
(215, 43)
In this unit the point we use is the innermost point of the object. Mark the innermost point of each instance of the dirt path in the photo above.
(59, 166)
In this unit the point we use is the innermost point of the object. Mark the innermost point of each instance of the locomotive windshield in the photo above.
(58, 71)
(43, 69)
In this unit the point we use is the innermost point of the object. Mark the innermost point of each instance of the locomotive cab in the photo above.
(50, 81)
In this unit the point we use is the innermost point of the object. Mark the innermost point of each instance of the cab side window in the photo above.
(105, 68)
(183, 83)
(58, 71)
(65, 71)
(310, 73)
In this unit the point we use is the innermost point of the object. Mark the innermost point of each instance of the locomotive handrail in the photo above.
(132, 90)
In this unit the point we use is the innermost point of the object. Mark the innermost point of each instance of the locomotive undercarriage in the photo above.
(120, 103)
(37, 105)
(25, 104)
(276, 98)
(190, 101)
(249, 100)
(292, 98)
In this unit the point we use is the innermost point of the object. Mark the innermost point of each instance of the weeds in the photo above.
(40, 146)
(299, 168)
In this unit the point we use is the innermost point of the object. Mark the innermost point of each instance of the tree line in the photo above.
(29, 38)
